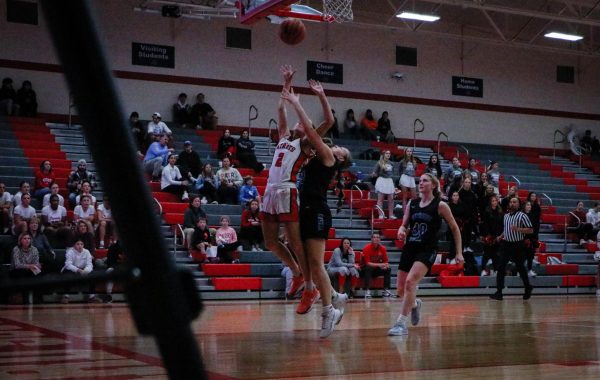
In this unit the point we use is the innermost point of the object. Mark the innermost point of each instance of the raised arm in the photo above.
(288, 74)
(323, 151)
(318, 90)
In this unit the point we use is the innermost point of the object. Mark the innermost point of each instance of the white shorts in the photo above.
(280, 204)
(385, 186)
(407, 181)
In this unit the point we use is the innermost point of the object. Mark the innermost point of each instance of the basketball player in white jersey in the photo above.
(280, 203)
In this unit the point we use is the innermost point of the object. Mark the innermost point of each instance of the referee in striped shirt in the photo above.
(516, 226)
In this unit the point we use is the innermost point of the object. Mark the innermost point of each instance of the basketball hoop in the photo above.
(338, 10)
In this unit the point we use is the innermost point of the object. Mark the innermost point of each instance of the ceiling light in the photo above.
(563, 36)
(418, 16)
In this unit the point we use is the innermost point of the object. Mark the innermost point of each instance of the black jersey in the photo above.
(424, 224)
(316, 180)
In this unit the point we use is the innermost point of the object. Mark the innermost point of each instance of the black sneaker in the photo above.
(496, 296)
(528, 291)
(108, 298)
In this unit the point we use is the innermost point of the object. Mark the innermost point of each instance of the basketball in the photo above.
(292, 31)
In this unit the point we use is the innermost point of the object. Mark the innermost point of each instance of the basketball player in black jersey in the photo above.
(420, 227)
(315, 215)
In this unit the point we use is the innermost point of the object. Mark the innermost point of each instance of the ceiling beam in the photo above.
(493, 24)
(517, 11)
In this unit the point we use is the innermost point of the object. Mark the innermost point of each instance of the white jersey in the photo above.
(287, 161)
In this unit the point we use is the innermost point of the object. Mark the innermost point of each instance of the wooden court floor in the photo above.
(549, 337)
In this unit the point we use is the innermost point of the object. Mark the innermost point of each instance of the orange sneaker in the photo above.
(307, 301)
(297, 285)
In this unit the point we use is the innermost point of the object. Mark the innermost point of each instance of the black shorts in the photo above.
(409, 257)
(315, 221)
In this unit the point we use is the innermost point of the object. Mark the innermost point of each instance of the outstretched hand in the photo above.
(316, 87)
(288, 73)
(290, 96)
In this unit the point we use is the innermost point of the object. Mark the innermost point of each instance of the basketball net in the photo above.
(339, 10)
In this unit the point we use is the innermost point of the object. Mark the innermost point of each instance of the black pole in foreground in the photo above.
(164, 301)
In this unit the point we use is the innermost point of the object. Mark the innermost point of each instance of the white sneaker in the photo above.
(493, 273)
(393, 217)
(329, 320)
(398, 329)
(582, 242)
(368, 294)
(531, 273)
(339, 303)
(203, 201)
(386, 293)
(484, 273)
(254, 249)
(185, 196)
(258, 248)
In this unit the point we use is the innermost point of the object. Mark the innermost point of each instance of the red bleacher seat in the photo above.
(173, 218)
(592, 247)
(332, 244)
(390, 233)
(100, 253)
(165, 197)
(562, 269)
(331, 234)
(174, 208)
(459, 281)
(387, 223)
(579, 280)
(220, 270)
(237, 283)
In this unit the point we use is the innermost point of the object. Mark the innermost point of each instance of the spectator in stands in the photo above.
(531, 240)
(157, 128)
(376, 264)
(226, 239)
(25, 261)
(384, 186)
(171, 180)
(230, 181)
(491, 230)
(156, 157)
(251, 235)
(84, 233)
(350, 126)
(54, 220)
(458, 212)
(513, 191)
(244, 153)
(8, 98)
(5, 207)
(54, 190)
(481, 192)
(76, 178)
(24, 188)
(182, 110)
(22, 214)
(115, 258)
(85, 211)
(592, 217)
(206, 184)
(79, 261)
(27, 100)
(105, 221)
(201, 238)
(368, 127)
(578, 224)
(535, 217)
(475, 175)
(190, 218)
(469, 202)
(45, 250)
(86, 189)
(516, 226)
(44, 178)
(434, 167)
(137, 130)
(343, 264)
(453, 177)
(408, 171)
(493, 173)
(188, 161)
(248, 192)
(203, 115)
(484, 200)
(226, 145)
(586, 140)
(385, 129)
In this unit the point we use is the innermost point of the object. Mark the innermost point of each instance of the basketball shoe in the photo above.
(339, 303)
(415, 313)
(330, 318)
(307, 301)
(297, 285)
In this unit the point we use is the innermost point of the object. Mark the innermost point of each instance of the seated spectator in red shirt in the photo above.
(368, 126)
(250, 231)
(376, 264)
(44, 178)
(578, 223)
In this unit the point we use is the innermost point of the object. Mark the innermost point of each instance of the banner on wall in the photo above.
(325, 72)
(464, 86)
(152, 55)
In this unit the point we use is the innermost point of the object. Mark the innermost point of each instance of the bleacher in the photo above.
(26, 142)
